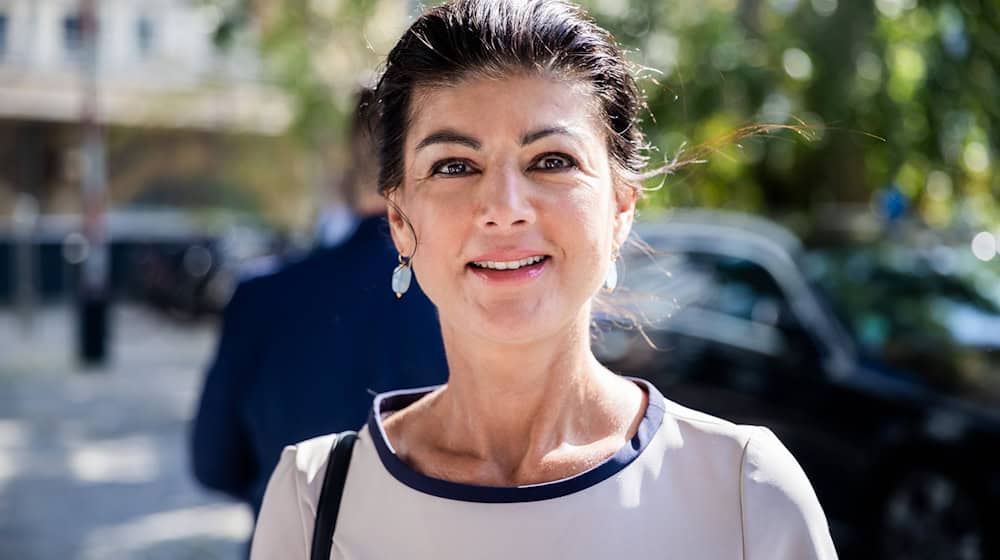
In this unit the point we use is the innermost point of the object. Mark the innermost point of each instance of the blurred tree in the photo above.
(895, 94)
(320, 52)
(923, 77)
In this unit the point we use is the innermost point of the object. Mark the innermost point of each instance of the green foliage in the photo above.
(891, 92)
(317, 51)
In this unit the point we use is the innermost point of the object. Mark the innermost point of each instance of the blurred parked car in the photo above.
(835, 351)
(178, 261)
(197, 275)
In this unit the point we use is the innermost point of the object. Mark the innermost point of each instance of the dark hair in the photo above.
(494, 38)
(359, 175)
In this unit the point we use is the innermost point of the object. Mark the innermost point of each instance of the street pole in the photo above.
(94, 294)
(25, 259)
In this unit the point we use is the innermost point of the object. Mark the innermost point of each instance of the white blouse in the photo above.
(687, 486)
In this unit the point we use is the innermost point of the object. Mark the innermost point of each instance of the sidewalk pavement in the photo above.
(94, 463)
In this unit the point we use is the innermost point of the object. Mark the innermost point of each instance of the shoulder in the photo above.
(757, 451)
(254, 280)
(781, 515)
(305, 463)
(772, 475)
(748, 466)
(703, 452)
(712, 439)
(287, 268)
(285, 524)
(261, 283)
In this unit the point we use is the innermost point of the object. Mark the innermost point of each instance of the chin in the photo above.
(514, 324)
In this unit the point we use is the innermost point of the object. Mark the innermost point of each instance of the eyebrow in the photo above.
(453, 137)
(449, 137)
(548, 131)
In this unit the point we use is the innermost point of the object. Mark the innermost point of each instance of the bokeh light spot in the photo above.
(616, 8)
(776, 109)
(939, 185)
(662, 52)
(797, 64)
(890, 8)
(984, 246)
(784, 6)
(869, 66)
(824, 8)
(976, 157)
(952, 30)
(908, 63)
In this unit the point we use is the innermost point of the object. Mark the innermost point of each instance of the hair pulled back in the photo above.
(495, 38)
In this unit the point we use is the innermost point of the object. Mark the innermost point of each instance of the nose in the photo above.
(506, 201)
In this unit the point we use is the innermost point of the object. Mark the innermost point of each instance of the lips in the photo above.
(509, 268)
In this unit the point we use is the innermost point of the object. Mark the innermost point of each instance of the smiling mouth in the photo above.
(509, 265)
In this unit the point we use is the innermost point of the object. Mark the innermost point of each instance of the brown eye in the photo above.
(453, 167)
(554, 162)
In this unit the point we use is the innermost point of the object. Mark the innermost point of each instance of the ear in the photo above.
(399, 227)
(626, 197)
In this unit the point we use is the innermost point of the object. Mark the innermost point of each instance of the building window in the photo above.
(73, 33)
(145, 35)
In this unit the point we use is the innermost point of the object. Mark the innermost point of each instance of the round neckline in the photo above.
(404, 473)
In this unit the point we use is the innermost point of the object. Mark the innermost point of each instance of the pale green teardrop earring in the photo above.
(401, 277)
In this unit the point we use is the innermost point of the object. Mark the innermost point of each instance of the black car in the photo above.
(737, 319)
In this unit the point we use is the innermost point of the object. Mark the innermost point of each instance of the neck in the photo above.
(511, 404)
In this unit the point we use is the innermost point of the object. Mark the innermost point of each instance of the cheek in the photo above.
(588, 212)
(439, 232)
(434, 216)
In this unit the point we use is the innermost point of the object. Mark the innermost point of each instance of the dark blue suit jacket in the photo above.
(301, 352)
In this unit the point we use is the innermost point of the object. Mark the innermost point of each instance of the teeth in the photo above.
(508, 265)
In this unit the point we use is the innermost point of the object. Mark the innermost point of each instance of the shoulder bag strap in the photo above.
(329, 498)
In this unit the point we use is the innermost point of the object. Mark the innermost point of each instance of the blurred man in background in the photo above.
(303, 348)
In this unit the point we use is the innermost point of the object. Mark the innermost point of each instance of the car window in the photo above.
(731, 300)
(733, 286)
(941, 325)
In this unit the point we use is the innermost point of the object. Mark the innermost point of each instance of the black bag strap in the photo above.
(329, 497)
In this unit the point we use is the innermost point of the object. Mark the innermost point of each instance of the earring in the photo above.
(611, 280)
(401, 277)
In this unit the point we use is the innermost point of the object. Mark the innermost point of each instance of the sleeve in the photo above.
(287, 517)
(782, 518)
(221, 450)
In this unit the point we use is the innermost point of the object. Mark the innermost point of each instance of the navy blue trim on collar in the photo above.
(397, 400)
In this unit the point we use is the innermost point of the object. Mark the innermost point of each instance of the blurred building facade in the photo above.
(163, 84)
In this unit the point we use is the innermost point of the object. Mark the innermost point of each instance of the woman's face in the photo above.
(508, 186)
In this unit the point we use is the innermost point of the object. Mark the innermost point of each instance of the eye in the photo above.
(553, 162)
(452, 168)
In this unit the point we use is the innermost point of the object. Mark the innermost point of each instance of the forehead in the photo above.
(492, 108)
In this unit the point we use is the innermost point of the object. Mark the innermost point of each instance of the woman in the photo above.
(511, 156)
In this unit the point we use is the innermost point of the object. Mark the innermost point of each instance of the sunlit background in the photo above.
(210, 133)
